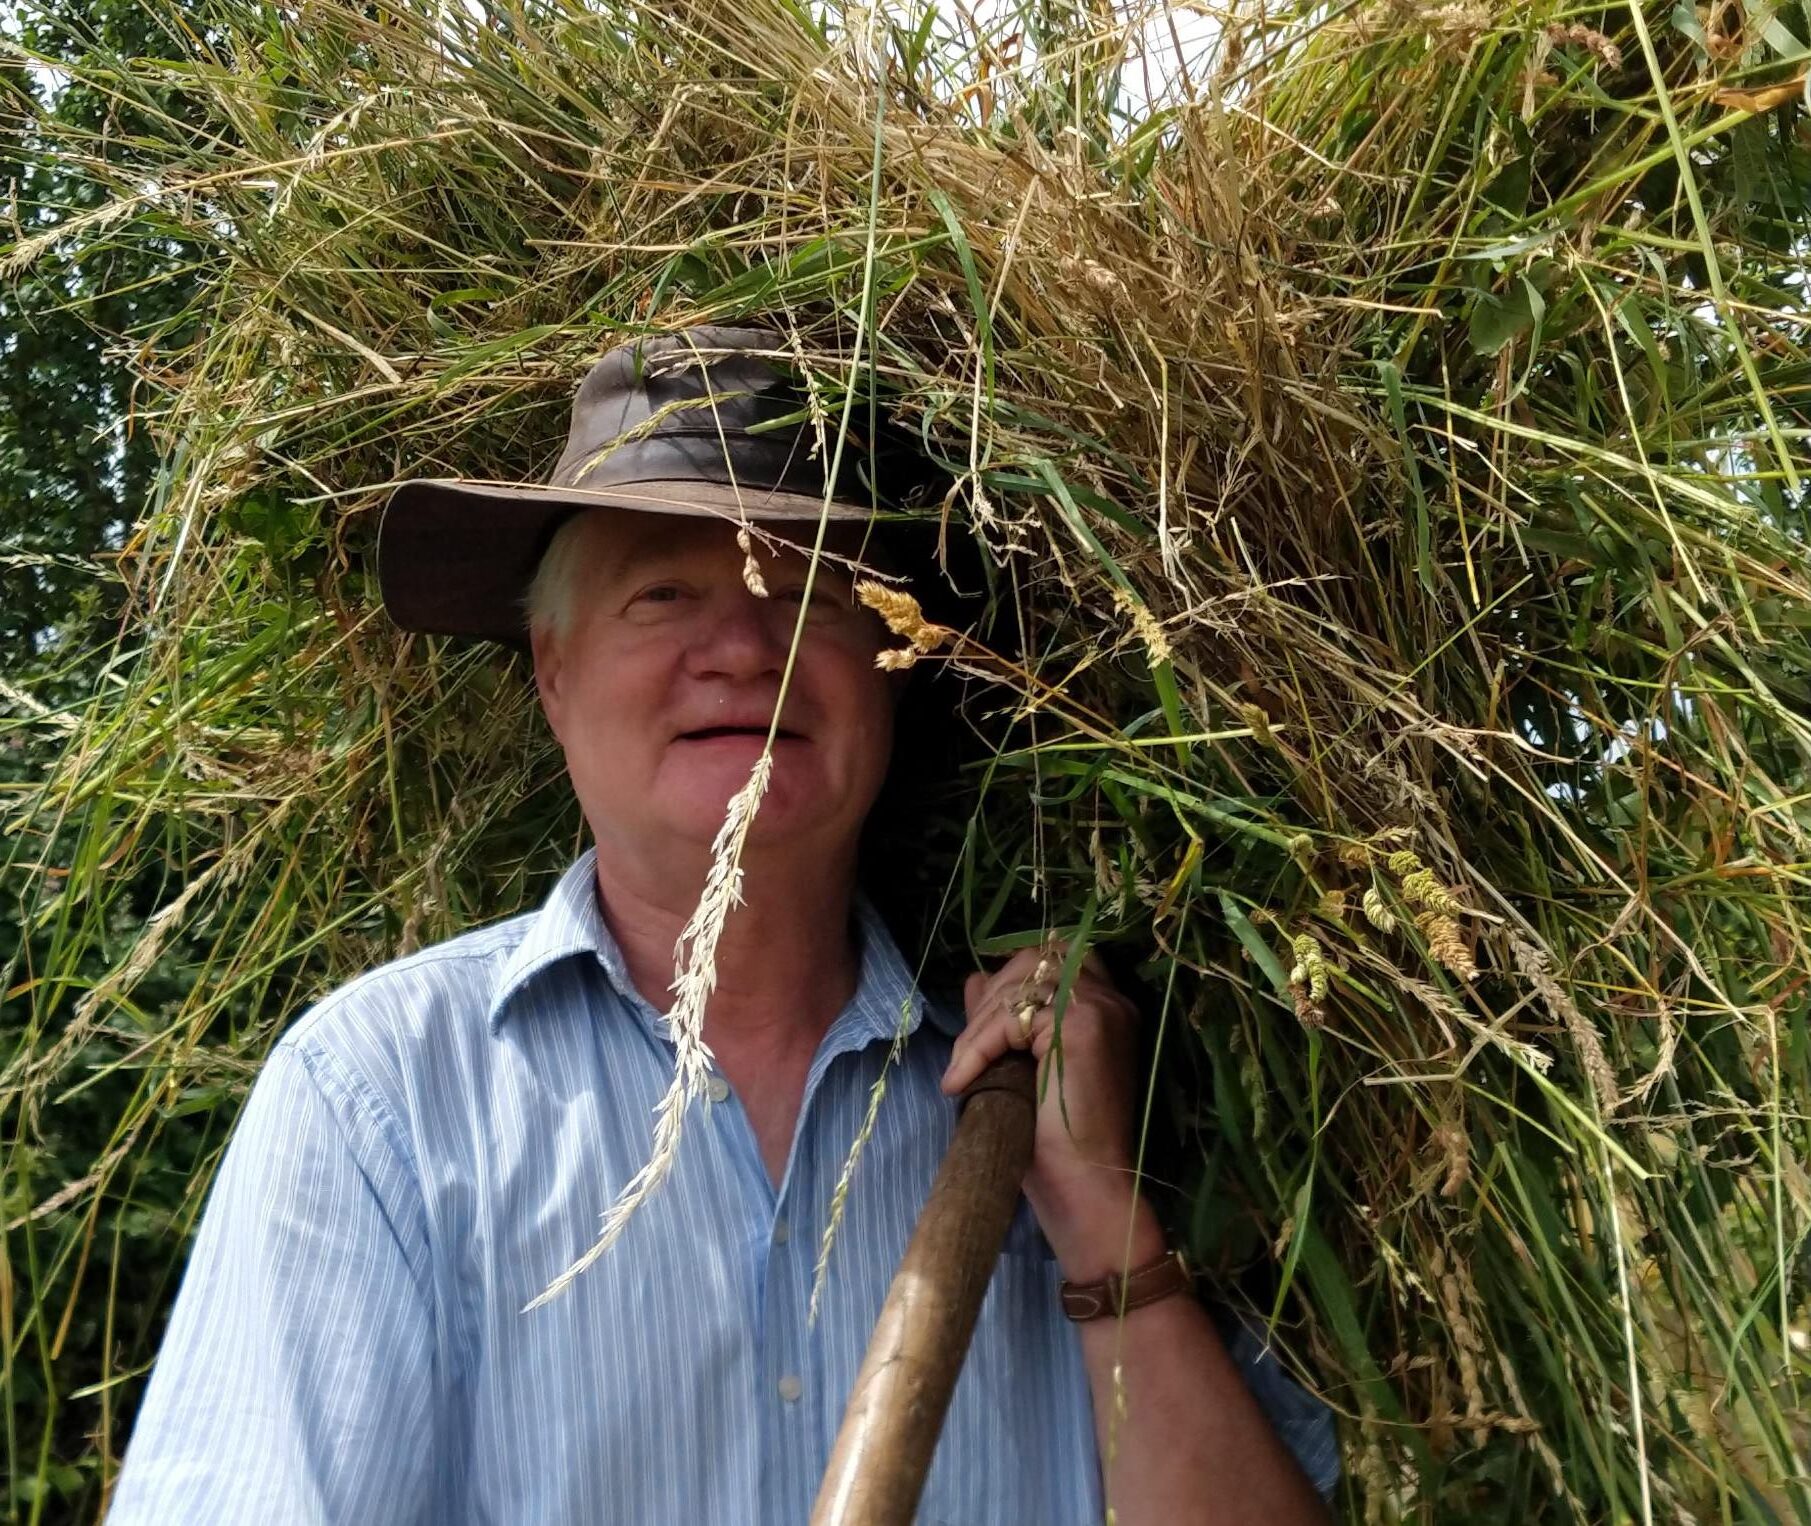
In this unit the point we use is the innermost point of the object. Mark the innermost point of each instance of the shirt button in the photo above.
(791, 1388)
(717, 1089)
(782, 1231)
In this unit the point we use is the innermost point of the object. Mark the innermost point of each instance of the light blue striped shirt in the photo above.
(433, 1143)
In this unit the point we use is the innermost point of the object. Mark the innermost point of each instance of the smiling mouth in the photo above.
(711, 733)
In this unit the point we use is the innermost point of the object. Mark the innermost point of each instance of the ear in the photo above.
(549, 673)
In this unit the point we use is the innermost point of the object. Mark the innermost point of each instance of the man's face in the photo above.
(662, 688)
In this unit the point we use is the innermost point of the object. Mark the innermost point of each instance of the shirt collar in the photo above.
(567, 923)
(887, 1000)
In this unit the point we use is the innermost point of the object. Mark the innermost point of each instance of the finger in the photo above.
(994, 998)
(981, 1045)
(1024, 965)
(974, 990)
(1031, 971)
(986, 999)
(964, 1041)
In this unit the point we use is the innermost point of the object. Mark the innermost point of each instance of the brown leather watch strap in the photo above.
(1168, 1274)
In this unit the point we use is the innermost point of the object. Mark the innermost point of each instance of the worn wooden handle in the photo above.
(895, 1414)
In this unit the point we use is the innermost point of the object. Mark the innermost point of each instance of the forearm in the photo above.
(1181, 1438)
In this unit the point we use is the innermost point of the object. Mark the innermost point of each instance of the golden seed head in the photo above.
(1311, 967)
(1149, 630)
(1254, 717)
(1377, 911)
(1422, 889)
(1588, 38)
(1416, 884)
(904, 618)
(751, 571)
(1455, 1143)
(1440, 899)
(897, 607)
(1445, 943)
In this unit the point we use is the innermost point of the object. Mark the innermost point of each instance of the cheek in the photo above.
(614, 704)
(865, 698)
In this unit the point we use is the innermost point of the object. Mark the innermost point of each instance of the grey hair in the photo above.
(551, 601)
(553, 591)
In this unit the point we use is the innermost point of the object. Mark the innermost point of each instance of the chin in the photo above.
(699, 803)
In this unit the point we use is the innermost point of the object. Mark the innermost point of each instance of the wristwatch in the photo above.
(1116, 1293)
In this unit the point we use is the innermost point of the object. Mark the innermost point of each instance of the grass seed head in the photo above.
(903, 617)
(751, 569)
(1255, 717)
(1446, 943)
(1146, 626)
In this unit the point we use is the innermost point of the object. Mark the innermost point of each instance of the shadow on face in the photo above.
(664, 680)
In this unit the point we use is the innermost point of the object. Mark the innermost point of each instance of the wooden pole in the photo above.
(895, 1414)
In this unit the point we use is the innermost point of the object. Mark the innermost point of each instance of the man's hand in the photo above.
(1173, 1418)
(1081, 1183)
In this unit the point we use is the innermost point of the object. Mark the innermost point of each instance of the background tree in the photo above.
(78, 469)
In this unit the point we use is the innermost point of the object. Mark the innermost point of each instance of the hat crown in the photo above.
(704, 384)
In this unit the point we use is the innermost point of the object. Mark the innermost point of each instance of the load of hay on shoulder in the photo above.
(1384, 430)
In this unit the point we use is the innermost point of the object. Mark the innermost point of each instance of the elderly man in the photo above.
(430, 1146)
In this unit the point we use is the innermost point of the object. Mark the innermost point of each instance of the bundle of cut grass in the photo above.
(1387, 421)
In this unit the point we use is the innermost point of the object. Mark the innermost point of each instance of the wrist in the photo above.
(1122, 1293)
(1101, 1234)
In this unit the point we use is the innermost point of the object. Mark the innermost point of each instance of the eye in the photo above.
(826, 596)
(661, 599)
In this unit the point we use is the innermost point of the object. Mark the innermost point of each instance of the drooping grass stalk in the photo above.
(695, 959)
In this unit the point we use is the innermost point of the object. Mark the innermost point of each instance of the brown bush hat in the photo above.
(705, 421)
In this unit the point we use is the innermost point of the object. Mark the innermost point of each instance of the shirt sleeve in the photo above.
(295, 1382)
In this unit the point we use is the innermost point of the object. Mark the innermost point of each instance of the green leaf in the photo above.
(1498, 321)
(1254, 942)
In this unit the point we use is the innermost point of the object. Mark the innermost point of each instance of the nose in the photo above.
(742, 637)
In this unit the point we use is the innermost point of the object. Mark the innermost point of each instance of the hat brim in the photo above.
(455, 555)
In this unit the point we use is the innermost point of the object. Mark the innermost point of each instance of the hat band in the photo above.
(780, 461)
